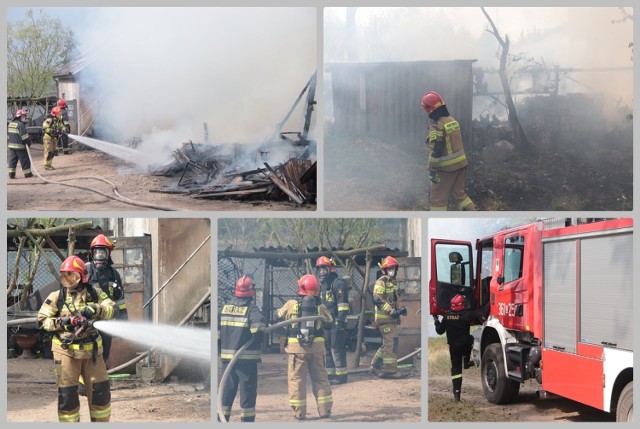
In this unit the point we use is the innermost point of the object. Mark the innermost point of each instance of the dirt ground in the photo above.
(475, 408)
(32, 397)
(363, 399)
(34, 194)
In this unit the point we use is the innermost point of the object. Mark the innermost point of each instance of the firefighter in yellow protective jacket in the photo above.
(305, 347)
(77, 346)
(447, 160)
(385, 299)
(53, 128)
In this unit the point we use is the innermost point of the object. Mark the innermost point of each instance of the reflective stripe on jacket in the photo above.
(239, 321)
(384, 298)
(17, 135)
(446, 131)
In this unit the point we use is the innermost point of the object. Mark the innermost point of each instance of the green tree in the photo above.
(37, 46)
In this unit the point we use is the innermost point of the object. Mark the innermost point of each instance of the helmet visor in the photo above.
(322, 273)
(100, 255)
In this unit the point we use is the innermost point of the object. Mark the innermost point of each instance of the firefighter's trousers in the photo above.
(458, 353)
(64, 142)
(50, 147)
(451, 185)
(21, 155)
(336, 354)
(68, 370)
(243, 376)
(312, 363)
(385, 358)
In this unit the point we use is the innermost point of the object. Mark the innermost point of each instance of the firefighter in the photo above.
(53, 128)
(241, 321)
(335, 296)
(17, 141)
(100, 270)
(447, 160)
(387, 315)
(64, 138)
(305, 349)
(457, 323)
(76, 344)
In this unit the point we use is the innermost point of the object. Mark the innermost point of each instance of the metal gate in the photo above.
(281, 285)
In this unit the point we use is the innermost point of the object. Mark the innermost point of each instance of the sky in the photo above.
(162, 72)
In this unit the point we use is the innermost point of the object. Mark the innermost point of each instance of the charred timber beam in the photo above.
(283, 187)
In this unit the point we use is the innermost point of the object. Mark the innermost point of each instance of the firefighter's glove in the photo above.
(90, 311)
(436, 320)
(65, 323)
(341, 325)
(395, 314)
(402, 311)
(434, 177)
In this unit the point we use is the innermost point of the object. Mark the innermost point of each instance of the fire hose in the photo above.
(235, 357)
(114, 188)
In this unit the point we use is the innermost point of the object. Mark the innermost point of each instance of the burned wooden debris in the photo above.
(269, 183)
(213, 171)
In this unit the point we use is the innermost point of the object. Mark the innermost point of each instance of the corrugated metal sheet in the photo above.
(383, 99)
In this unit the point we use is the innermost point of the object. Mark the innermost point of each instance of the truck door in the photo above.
(451, 273)
(509, 292)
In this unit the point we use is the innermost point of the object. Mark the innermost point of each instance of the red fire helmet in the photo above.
(457, 303)
(323, 261)
(431, 101)
(388, 262)
(76, 265)
(102, 240)
(244, 287)
(308, 285)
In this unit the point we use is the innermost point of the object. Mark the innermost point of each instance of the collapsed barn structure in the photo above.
(209, 171)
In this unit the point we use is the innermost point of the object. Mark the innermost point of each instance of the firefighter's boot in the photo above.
(457, 387)
(27, 175)
(12, 175)
(391, 375)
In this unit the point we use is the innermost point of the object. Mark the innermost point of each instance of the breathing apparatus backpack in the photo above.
(306, 331)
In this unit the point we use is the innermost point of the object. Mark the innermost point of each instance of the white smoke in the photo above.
(162, 72)
(574, 37)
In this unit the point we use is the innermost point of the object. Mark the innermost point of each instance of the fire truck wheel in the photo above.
(498, 389)
(624, 411)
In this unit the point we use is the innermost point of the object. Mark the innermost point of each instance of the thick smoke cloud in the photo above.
(575, 37)
(162, 72)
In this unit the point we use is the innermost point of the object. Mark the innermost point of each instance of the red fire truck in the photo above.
(560, 308)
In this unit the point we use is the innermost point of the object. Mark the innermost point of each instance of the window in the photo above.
(453, 265)
(513, 252)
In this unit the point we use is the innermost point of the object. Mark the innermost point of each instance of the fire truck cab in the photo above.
(558, 309)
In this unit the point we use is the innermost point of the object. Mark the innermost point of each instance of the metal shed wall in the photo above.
(383, 99)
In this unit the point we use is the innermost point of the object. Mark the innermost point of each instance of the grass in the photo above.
(439, 361)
